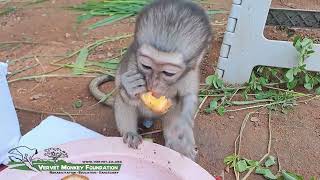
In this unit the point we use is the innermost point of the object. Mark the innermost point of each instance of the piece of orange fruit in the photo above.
(157, 105)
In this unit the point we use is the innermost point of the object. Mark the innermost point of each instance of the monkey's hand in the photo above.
(182, 139)
(133, 83)
(132, 139)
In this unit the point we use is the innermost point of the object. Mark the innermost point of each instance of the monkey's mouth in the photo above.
(158, 105)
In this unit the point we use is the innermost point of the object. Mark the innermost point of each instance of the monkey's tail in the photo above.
(94, 89)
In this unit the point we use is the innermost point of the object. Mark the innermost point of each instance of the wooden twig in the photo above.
(49, 76)
(279, 165)
(269, 148)
(151, 132)
(22, 70)
(200, 106)
(266, 105)
(68, 114)
(236, 173)
(50, 113)
(18, 42)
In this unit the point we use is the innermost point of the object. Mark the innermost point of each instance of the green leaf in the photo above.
(213, 104)
(219, 83)
(221, 110)
(318, 91)
(83, 17)
(263, 81)
(80, 61)
(296, 40)
(266, 173)
(231, 160)
(252, 163)
(215, 81)
(291, 176)
(270, 161)
(308, 86)
(293, 84)
(306, 42)
(242, 166)
(209, 80)
(77, 104)
(289, 75)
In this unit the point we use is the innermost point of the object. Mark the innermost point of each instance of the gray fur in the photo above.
(174, 26)
(170, 26)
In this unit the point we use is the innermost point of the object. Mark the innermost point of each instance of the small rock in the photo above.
(101, 56)
(227, 169)
(109, 54)
(21, 90)
(254, 119)
(231, 117)
(37, 96)
(67, 35)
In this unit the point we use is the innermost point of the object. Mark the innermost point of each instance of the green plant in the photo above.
(298, 74)
(115, 10)
(242, 165)
(77, 104)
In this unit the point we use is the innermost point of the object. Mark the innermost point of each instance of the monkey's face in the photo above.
(161, 70)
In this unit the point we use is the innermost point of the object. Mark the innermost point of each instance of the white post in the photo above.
(244, 45)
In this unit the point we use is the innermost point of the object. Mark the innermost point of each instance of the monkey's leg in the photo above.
(178, 134)
(127, 122)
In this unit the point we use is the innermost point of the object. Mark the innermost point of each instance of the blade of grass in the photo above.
(213, 12)
(80, 61)
(107, 96)
(7, 10)
(109, 20)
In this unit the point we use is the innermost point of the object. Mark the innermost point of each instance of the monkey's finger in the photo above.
(130, 73)
(134, 77)
(139, 82)
(125, 138)
(139, 90)
(136, 141)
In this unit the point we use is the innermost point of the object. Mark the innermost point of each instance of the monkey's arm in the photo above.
(178, 123)
(126, 118)
(189, 97)
(189, 106)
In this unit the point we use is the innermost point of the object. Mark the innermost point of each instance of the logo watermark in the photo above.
(23, 158)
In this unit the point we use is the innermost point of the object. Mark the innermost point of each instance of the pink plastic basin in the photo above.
(150, 161)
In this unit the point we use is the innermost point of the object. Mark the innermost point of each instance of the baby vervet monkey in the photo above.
(171, 37)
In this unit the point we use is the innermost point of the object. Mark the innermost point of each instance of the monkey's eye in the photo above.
(168, 73)
(145, 66)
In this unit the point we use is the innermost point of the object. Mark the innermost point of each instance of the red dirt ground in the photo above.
(296, 136)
